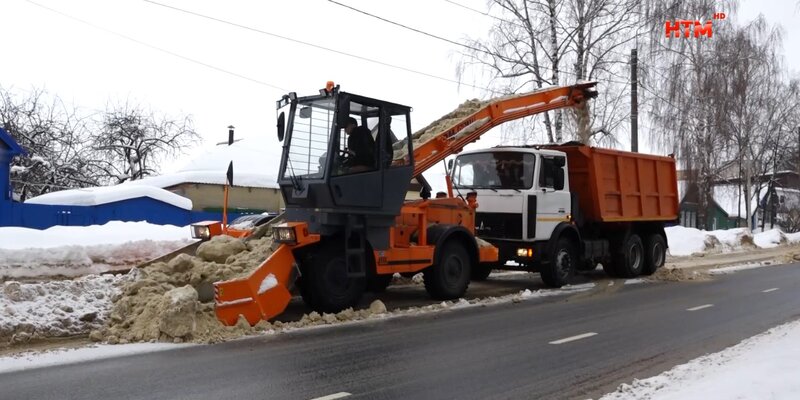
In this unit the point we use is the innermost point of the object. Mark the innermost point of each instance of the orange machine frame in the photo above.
(409, 250)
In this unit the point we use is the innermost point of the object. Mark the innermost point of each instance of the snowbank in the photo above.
(80, 250)
(762, 367)
(110, 194)
(685, 241)
(56, 308)
(114, 232)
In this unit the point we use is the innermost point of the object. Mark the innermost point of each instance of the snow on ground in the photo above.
(31, 359)
(81, 250)
(685, 241)
(761, 367)
(737, 268)
(55, 308)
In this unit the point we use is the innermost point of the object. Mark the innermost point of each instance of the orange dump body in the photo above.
(620, 186)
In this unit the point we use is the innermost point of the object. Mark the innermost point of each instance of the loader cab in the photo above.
(315, 172)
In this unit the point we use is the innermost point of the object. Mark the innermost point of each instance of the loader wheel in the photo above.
(481, 271)
(655, 252)
(325, 284)
(448, 279)
(629, 259)
(558, 272)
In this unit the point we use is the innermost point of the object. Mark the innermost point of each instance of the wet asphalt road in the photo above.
(576, 346)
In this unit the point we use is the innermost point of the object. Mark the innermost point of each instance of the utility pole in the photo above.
(634, 102)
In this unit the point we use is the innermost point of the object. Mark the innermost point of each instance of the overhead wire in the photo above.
(163, 50)
(317, 46)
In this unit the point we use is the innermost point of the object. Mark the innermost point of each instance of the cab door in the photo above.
(552, 196)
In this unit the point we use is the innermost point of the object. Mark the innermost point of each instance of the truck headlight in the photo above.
(201, 232)
(523, 252)
(285, 234)
(206, 229)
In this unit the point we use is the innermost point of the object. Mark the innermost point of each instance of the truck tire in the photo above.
(558, 272)
(449, 277)
(629, 259)
(655, 253)
(481, 271)
(379, 283)
(325, 286)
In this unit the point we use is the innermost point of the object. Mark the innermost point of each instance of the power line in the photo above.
(407, 27)
(444, 39)
(316, 46)
(137, 41)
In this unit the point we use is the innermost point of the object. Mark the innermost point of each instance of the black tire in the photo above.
(559, 271)
(629, 258)
(325, 286)
(379, 283)
(655, 253)
(448, 279)
(481, 271)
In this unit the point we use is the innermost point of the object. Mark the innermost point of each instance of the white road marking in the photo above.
(769, 290)
(333, 396)
(573, 338)
(700, 307)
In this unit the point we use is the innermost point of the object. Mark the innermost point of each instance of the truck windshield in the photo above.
(308, 144)
(494, 170)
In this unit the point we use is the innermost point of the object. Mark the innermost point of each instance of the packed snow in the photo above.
(81, 250)
(761, 367)
(109, 194)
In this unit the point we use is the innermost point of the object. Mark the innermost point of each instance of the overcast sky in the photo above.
(91, 65)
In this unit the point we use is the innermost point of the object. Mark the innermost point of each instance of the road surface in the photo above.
(578, 346)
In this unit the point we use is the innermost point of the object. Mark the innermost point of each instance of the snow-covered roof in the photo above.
(252, 167)
(109, 194)
(730, 197)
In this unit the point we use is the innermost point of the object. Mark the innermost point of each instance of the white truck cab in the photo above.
(523, 194)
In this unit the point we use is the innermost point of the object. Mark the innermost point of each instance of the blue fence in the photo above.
(39, 216)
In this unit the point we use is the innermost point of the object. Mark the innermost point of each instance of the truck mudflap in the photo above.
(264, 294)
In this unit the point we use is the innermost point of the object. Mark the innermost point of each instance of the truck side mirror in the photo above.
(281, 126)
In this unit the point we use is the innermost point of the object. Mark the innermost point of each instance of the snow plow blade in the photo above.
(264, 294)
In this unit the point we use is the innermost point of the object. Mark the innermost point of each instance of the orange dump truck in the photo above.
(558, 209)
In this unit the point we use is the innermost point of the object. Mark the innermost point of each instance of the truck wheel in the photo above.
(325, 284)
(481, 271)
(655, 253)
(379, 283)
(559, 270)
(629, 259)
(448, 279)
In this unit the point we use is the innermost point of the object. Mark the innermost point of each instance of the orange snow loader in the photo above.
(348, 226)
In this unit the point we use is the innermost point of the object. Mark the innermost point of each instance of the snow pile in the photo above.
(761, 367)
(173, 301)
(109, 194)
(30, 311)
(770, 238)
(80, 250)
(685, 241)
(737, 268)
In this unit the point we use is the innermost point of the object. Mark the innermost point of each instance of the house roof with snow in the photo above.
(252, 167)
(109, 194)
(9, 146)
